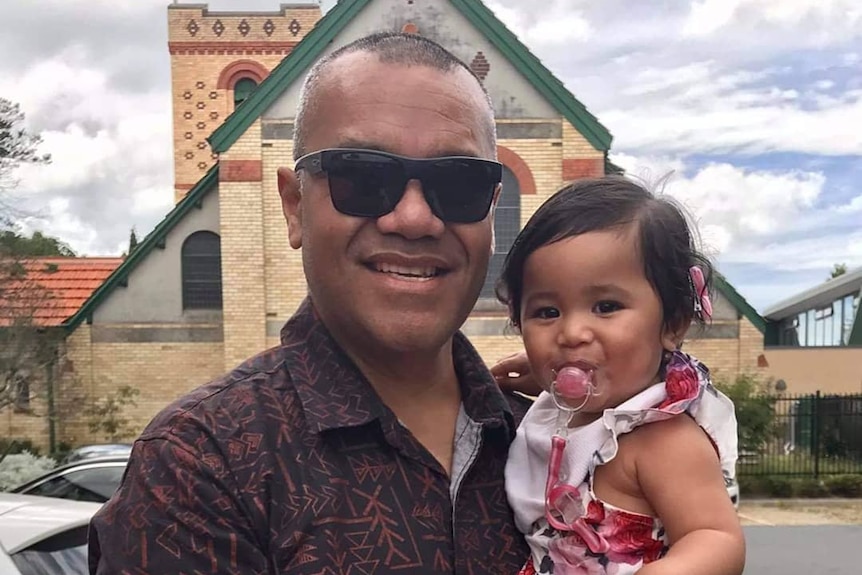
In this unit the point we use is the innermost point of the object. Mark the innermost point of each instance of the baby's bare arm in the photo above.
(679, 474)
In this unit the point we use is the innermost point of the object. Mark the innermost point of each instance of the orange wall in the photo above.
(831, 370)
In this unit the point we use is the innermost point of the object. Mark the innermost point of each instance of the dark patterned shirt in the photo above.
(292, 464)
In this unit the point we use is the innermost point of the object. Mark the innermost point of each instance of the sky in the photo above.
(749, 112)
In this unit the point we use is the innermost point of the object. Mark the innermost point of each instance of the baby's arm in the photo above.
(679, 475)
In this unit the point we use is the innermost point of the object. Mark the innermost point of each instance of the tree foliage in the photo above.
(755, 410)
(17, 245)
(106, 416)
(17, 145)
(838, 270)
(133, 240)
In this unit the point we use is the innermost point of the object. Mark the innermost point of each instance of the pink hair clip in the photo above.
(702, 303)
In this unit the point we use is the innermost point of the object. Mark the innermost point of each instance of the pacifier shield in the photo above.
(573, 382)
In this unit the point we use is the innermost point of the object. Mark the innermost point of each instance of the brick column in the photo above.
(241, 222)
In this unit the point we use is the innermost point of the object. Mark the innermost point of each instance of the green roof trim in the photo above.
(740, 303)
(533, 70)
(290, 69)
(294, 65)
(154, 239)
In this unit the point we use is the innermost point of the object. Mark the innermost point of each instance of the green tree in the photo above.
(14, 244)
(106, 416)
(17, 147)
(838, 270)
(133, 240)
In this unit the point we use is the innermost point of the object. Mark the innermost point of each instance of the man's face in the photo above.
(404, 281)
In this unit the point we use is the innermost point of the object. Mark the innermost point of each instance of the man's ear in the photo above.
(291, 195)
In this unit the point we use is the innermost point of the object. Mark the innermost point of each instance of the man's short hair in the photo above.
(390, 48)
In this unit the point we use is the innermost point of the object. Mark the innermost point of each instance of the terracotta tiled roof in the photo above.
(51, 290)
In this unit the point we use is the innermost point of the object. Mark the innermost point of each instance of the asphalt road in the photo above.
(804, 550)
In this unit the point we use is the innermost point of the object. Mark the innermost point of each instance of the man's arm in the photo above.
(177, 511)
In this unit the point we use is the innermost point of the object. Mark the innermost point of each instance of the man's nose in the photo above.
(412, 217)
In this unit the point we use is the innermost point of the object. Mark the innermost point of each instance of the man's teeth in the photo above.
(428, 272)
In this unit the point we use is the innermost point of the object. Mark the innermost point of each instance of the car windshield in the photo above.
(92, 484)
(64, 553)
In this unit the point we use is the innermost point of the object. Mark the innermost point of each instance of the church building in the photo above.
(215, 280)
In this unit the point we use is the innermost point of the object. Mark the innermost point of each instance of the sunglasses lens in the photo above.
(365, 184)
(370, 184)
(460, 190)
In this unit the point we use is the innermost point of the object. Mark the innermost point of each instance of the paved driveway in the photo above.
(804, 550)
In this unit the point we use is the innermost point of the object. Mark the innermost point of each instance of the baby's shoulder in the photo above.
(677, 433)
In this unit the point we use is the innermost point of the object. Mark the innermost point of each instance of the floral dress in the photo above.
(618, 542)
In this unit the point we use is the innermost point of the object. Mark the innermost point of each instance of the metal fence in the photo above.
(805, 435)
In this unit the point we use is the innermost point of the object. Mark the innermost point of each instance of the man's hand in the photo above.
(513, 374)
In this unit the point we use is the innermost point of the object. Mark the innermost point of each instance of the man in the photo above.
(374, 439)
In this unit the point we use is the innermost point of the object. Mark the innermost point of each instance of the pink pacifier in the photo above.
(573, 386)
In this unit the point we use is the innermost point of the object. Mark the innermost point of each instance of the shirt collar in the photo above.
(335, 394)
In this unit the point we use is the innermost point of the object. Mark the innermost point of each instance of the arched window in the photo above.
(242, 90)
(201, 271)
(507, 224)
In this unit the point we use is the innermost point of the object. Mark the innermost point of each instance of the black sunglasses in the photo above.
(369, 184)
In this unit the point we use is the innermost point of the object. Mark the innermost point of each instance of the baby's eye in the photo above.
(607, 307)
(546, 312)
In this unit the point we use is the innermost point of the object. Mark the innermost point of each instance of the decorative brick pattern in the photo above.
(205, 57)
(519, 167)
(480, 65)
(231, 48)
(238, 69)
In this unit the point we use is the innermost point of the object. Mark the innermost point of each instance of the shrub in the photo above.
(22, 467)
(13, 445)
(845, 485)
(755, 410)
(780, 487)
(810, 487)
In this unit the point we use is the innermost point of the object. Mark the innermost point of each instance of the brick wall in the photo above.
(727, 358)
(161, 372)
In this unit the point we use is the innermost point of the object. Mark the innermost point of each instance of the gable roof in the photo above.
(50, 290)
(295, 64)
(154, 239)
(740, 303)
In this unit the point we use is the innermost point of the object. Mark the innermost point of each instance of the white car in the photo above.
(43, 535)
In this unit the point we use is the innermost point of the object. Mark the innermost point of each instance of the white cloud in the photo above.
(769, 218)
(111, 157)
(710, 112)
(557, 23)
(840, 17)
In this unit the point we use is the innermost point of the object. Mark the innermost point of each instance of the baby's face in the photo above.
(586, 302)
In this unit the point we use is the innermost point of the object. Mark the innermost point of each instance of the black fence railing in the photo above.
(808, 435)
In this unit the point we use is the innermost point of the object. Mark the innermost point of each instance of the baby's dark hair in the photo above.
(665, 240)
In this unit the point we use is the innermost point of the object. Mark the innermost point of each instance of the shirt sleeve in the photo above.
(176, 511)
